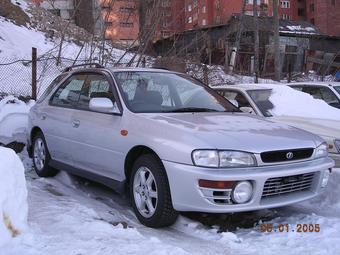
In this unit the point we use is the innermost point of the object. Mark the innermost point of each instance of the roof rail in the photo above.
(96, 65)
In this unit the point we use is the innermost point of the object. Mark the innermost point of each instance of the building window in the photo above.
(190, 20)
(126, 9)
(204, 22)
(218, 19)
(285, 16)
(311, 7)
(166, 34)
(126, 24)
(166, 3)
(204, 9)
(189, 8)
(165, 23)
(333, 2)
(285, 4)
(217, 4)
(312, 21)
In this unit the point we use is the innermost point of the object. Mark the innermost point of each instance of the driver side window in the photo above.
(68, 94)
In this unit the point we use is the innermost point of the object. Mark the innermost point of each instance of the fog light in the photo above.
(325, 179)
(242, 192)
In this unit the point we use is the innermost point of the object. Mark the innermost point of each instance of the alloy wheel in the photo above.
(145, 192)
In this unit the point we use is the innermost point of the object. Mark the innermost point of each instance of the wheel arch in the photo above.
(132, 156)
(34, 131)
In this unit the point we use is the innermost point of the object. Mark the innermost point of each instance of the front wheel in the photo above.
(41, 157)
(150, 193)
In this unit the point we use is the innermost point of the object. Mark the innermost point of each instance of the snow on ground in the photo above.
(13, 196)
(74, 216)
(70, 215)
(300, 104)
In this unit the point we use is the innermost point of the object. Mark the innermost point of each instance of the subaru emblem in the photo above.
(289, 155)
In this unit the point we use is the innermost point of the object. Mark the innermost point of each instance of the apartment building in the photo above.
(115, 20)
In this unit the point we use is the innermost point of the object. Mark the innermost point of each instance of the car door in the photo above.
(97, 146)
(56, 118)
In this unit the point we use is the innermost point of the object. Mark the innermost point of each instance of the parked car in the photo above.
(132, 128)
(327, 91)
(254, 99)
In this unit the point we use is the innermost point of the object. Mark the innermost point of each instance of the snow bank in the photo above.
(288, 101)
(13, 118)
(13, 196)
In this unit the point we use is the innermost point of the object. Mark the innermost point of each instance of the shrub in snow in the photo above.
(13, 196)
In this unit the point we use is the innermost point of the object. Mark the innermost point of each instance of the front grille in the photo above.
(288, 184)
(286, 155)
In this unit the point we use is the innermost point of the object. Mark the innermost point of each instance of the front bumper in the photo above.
(336, 158)
(188, 196)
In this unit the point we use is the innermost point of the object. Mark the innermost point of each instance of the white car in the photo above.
(254, 99)
(327, 91)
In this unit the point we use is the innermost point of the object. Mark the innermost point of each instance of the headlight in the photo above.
(235, 159)
(321, 151)
(213, 158)
(337, 145)
(208, 158)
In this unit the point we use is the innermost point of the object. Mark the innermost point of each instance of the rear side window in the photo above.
(96, 85)
(68, 94)
(322, 93)
(51, 87)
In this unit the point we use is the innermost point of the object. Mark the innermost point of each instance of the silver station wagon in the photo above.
(172, 142)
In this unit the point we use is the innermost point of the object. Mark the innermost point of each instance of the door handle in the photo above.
(75, 123)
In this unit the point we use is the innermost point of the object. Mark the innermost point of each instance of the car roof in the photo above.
(243, 87)
(139, 69)
(315, 83)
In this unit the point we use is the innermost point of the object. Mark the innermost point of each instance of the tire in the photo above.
(162, 214)
(41, 157)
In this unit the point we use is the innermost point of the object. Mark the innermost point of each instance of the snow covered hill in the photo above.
(16, 42)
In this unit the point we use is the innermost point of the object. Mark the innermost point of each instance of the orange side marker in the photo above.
(124, 132)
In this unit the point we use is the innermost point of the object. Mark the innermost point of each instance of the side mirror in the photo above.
(104, 105)
(247, 110)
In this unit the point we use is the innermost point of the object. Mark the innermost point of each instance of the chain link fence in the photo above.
(16, 74)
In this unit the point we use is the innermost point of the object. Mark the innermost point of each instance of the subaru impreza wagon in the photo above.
(173, 142)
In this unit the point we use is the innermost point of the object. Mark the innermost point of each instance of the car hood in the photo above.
(236, 131)
(321, 127)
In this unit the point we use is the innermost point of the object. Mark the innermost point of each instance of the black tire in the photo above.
(46, 170)
(164, 214)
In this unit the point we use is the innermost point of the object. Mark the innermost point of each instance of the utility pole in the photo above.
(256, 42)
(276, 40)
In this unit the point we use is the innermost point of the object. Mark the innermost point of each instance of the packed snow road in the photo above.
(69, 215)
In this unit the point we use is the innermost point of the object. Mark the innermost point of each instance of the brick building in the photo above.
(161, 18)
(120, 20)
(325, 14)
(116, 20)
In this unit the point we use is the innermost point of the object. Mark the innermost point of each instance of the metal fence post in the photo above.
(34, 73)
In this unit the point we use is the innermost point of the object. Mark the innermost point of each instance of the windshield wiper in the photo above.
(192, 109)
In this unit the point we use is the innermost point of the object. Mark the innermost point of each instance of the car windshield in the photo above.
(261, 99)
(337, 88)
(145, 92)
